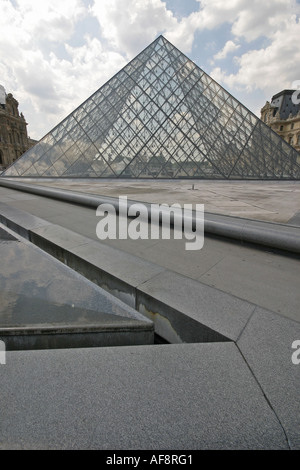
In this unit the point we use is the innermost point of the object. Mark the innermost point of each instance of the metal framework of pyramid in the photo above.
(160, 116)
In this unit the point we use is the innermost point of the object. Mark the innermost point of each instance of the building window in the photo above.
(292, 126)
(291, 140)
(298, 140)
(281, 128)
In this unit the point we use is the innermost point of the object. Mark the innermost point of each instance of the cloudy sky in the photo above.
(55, 53)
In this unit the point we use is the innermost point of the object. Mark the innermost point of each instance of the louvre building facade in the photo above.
(160, 116)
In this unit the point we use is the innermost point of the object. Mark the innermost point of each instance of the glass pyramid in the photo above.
(161, 116)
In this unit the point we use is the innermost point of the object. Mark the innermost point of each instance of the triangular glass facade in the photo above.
(161, 116)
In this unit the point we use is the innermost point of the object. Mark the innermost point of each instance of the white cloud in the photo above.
(214, 13)
(262, 18)
(52, 20)
(250, 20)
(30, 29)
(270, 69)
(132, 24)
(47, 85)
(229, 47)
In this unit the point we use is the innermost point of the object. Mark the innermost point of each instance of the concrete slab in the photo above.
(55, 240)
(192, 396)
(278, 292)
(115, 271)
(266, 344)
(195, 311)
(18, 220)
(189, 263)
(6, 236)
(15, 197)
(295, 220)
(124, 266)
(44, 304)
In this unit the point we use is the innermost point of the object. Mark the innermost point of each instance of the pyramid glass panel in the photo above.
(161, 116)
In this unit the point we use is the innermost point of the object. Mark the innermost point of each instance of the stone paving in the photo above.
(228, 380)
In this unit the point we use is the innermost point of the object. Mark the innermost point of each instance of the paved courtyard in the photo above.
(277, 201)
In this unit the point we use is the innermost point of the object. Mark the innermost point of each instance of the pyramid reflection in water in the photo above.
(161, 116)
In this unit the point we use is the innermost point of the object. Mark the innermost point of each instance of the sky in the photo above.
(54, 54)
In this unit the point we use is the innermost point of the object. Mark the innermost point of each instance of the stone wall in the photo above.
(14, 140)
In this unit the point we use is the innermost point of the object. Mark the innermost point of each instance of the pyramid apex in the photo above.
(159, 37)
